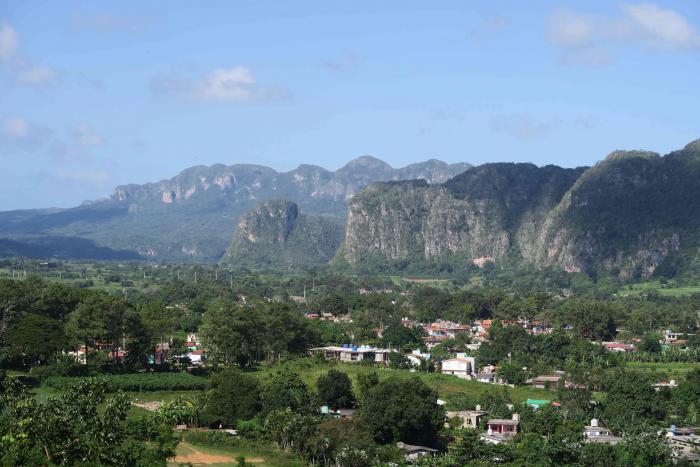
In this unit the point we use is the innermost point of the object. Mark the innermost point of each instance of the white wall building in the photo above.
(463, 367)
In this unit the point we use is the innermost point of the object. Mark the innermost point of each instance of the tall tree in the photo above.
(37, 337)
(87, 324)
(402, 409)
(335, 390)
(232, 396)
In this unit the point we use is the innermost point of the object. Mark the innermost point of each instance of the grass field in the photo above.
(672, 370)
(666, 290)
(310, 370)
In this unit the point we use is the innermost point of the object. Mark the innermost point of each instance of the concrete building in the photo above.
(501, 429)
(468, 418)
(353, 353)
(461, 367)
(684, 443)
(413, 453)
(548, 382)
(594, 433)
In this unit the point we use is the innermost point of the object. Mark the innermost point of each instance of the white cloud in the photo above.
(489, 27)
(96, 178)
(20, 131)
(19, 66)
(8, 41)
(659, 28)
(585, 39)
(520, 126)
(567, 28)
(233, 85)
(38, 76)
(84, 136)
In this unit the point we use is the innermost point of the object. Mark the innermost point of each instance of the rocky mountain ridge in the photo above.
(192, 216)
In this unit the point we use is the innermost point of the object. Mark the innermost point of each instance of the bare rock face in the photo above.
(269, 222)
(411, 220)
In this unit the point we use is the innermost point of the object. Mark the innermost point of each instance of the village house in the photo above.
(342, 414)
(684, 443)
(482, 327)
(619, 347)
(664, 384)
(197, 357)
(537, 327)
(413, 453)
(467, 418)
(416, 357)
(500, 430)
(594, 433)
(461, 367)
(432, 341)
(489, 378)
(353, 353)
(670, 336)
(448, 329)
(548, 382)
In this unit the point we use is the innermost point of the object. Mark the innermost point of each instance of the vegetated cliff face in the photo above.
(275, 235)
(632, 215)
(413, 221)
(479, 215)
(192, 216)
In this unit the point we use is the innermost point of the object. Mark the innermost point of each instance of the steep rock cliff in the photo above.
(274, 234)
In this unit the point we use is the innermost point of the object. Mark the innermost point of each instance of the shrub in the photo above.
(211, 438)
(138, 382)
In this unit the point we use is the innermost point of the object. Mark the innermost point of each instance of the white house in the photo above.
(594, 433)
(463, 367)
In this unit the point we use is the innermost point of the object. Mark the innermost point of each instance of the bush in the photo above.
(211, 438)
(61, 367)
(232, 396)
(250, 429)
(138, 382)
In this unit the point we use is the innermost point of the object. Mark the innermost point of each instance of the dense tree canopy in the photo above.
(402, 409)
(335, 390)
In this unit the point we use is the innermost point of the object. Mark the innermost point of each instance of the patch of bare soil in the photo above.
(148, 405)
(197, 457)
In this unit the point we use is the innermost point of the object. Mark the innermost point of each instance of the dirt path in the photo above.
(197, 457)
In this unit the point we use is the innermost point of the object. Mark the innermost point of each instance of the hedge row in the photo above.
(138, 382)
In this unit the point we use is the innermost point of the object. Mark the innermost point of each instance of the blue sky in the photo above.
(96, 94)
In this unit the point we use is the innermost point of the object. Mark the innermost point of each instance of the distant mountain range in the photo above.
(194, 215)
(635, 214)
